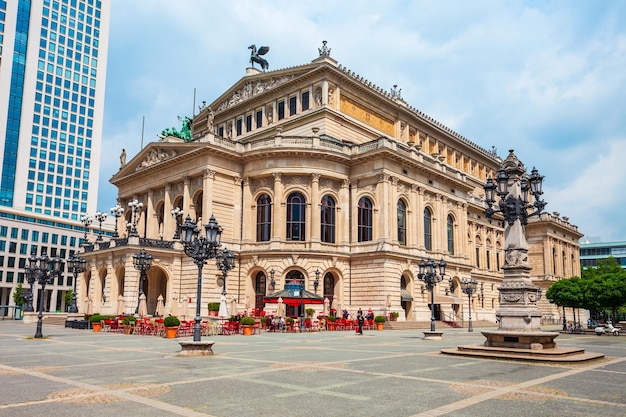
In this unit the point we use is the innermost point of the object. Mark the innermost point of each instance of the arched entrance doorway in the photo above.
(84, 290)
(154, 286)
(260, 284)
(329, 290)
(295, 278)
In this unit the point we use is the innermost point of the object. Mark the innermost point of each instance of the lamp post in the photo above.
(225, 261)
(142, 261)
(272, 281)
(117, 212)
(317, 280)
(200, 248)
(76, 265)
(177, 214)
(31, 278)
(301, 304)
(428, 274)
(44, 269)
(86, 221)
(100, 218)
(468, 286)
(135, 207)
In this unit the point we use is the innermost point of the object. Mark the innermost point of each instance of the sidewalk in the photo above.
(382, 373)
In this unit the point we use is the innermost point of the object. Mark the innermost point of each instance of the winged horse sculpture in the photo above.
(255, 56)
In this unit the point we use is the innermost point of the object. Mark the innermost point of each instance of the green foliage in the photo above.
(394, 314)
(234, 318)
(380, 319)
(289, 320)
(310, 311)
(129, 320)
(18, 299)
(68, 297)
(247, 321)
(263, 320)
(96, 318)
(332, 319)
(171, 321)
(214, 306)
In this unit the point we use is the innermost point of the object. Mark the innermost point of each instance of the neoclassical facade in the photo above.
(314, 172)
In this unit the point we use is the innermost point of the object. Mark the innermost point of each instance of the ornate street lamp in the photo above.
(225, 261)
(142, 261)
(117, 212)
(31, 278)
(177, 214)
(468, 286)
(86, 221)
(317, 280)
(44, 269)
(428, 274)
(135, 207)
(272, 280)
(200, 248)
(76, 265)
(100, 218)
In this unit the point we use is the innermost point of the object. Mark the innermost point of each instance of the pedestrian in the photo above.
(360, 319)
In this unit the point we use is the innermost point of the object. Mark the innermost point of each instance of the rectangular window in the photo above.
(259, 118)
(305, 100)
(477, 257)
(239, 127)
(281, 110)
(488, 260)
(249, 123)
(292, 105)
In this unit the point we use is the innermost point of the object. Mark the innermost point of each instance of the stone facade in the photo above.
(314, 169)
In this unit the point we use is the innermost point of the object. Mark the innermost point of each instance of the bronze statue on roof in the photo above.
(255, 56)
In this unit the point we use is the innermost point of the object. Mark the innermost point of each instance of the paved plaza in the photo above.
(382, 373)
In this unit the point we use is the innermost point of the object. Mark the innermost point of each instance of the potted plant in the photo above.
(380, 322)
(331, 322)
(214, 307)
(96, 322)
(247, 323)
(129, 323)
(264, 322)
(393, 316)
(310, 312)
(171, 324)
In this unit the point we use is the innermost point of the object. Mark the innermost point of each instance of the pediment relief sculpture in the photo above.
(155, 156)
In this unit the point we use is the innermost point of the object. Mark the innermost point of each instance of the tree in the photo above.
(18, 298)
(605, 286)
(68, 297)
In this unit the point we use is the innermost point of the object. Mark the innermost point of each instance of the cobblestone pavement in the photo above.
(382, 373)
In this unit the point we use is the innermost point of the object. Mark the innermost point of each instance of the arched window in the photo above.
(327, 219)
(401, 223)
(554, 261)
(450, 229)
(263, 218)
(428, 237)
(259, 290)
(329, 287)
(365, 220)
(296, 212)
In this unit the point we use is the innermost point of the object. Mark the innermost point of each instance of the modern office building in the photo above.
(320, 177)
(52, 81)
(590, 252)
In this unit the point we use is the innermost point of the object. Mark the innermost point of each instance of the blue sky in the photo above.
(546, 78)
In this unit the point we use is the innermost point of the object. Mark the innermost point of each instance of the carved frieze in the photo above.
(328, 184)
(156, 156)
(260, 183)
(250, 90)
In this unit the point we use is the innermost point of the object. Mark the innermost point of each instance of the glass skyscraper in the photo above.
(52, 81)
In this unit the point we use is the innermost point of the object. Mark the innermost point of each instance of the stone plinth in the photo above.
(196, 348)
(428, 335)
(520, 340)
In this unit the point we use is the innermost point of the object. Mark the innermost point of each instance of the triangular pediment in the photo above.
(155, 154)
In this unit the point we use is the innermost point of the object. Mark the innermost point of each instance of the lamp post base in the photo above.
(196, 348)
(433, 335)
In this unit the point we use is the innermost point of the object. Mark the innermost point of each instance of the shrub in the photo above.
(289, 320)
(128, 320)
(171, 321)
(332, 319)
(214, 306)
(394, 314)
(380, 319)
(96, 318)
(310, 311)
(247, 321)
(264, 320)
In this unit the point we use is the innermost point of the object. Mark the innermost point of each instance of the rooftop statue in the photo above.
(185, 130)
(324, 50)
(255, 56)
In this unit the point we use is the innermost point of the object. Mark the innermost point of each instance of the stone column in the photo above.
(420, 218)
(169, 223)
(313, 219)
(152, 230)
(249, 215)
(344, 205)
(208, 179)
(381, 229)
(238, 209)
(278, 212)
(187, 203)
(392, 206)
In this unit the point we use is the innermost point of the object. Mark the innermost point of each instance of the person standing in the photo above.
(360, 319)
